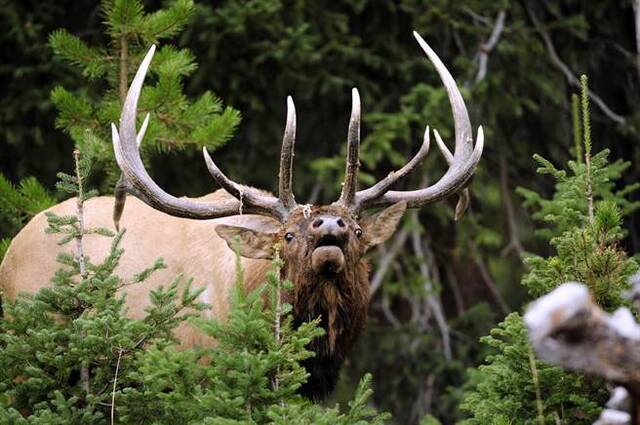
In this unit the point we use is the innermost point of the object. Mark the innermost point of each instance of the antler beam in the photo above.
(285, 190)
(137, 181)
(353, 152)
(462, 163)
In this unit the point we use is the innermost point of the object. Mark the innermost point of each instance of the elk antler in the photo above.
(137, 181)
(353, 152)
(462, 163)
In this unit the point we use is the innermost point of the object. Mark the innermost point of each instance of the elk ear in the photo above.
(253, 243)
(379, 227)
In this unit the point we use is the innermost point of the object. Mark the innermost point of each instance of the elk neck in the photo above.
(341, 302)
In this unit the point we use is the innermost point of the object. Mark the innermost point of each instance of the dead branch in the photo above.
(564, 68)
(386, 310)
(387, 259)
(568, 329)
(487, 46)
(455, 288)
(636, 15)
(617, 409)
(477, 17)
(432, 300)
(487, 279)
(514, 244)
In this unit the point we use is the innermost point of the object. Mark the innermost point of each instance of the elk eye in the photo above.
(358, 232)
(288, 236)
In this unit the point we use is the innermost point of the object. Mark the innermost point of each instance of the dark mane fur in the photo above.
(341, 302)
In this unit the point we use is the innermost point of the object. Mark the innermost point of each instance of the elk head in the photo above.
(322, 246)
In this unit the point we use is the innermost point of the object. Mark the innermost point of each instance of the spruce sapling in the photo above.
(583, 223)
(61, 345)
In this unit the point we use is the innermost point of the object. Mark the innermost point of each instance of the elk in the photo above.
(323, 247)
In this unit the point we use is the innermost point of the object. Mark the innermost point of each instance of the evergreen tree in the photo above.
(68, 347)
(176, 122)
(583, 218)
(250, 377)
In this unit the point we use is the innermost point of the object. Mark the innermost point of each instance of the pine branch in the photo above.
(586, 130)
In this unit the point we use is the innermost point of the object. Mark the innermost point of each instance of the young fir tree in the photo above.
(583, 218)
(176, 122)
(250, 377)
(67, 348)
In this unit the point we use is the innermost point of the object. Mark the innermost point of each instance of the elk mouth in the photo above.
(327, 257)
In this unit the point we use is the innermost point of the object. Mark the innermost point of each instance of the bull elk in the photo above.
(323, 246)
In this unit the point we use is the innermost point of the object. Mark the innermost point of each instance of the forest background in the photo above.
(518, 62)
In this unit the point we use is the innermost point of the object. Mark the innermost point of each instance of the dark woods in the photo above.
(437, 286)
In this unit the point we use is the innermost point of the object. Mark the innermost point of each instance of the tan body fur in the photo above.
(189, 247)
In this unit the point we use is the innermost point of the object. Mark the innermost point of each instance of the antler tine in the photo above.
(285, 190)
(140, 184)
(383, 185)
(250, 199)
(448, 156)
(353, 152)
(123, 186)
(462, 163)
(464, 198)
(143, 130)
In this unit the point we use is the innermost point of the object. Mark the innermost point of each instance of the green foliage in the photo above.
(254, 53)
(251, 376)
(18, 204)
(66, 346)
(503, 390)
(568, 207)
(176, 122)
(584, 218)
(591, 255)
(435, 379)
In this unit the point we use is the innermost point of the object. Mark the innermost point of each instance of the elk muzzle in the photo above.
(331, 235)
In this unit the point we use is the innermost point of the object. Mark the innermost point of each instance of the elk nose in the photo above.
(329, 225)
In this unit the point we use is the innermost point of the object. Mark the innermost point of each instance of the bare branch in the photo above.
(514, 244)
(617, 411)
(113, 391)
(455, 288)
(568, 73)
(387, 260)
(487, 279)
(433, 300)
(386, 310)
(477, 17)
(636, 16)
(487, 46)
